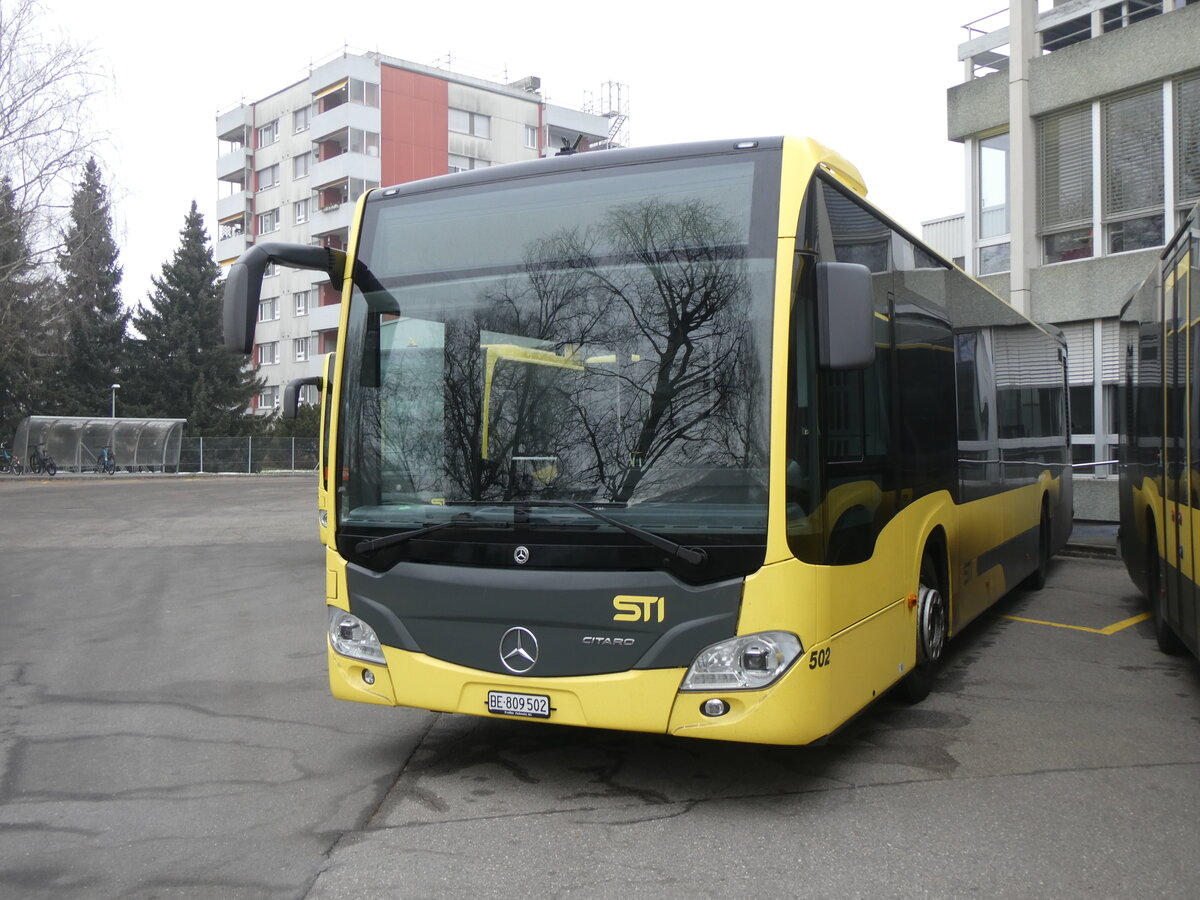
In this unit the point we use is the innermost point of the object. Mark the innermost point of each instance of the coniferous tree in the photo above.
(96, 323)
(30, 319)
(181, 368)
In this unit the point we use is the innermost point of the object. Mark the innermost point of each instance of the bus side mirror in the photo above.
(291, 393)
(846, 315)
(243, 286)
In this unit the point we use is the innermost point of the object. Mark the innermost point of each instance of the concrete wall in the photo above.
(1151, 51)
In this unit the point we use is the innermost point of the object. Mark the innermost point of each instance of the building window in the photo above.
(267, 177)
(466, 163)
(463, 122)
(992, 218)
(301, 347)
(1093, 373)
(268, 134)
(301, 208)
(1133, 171)
(268, 221)
(531, 137)
(300, 164)
(268, 310)
(271, 269)
(1187, 142)
(364, 92)
(300, 119)
(269, 398)
(301, 299)
(268, 353)
(1065, 185)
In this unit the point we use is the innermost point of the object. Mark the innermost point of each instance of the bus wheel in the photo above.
(1168, 640)
(1037, 578)
(932, 621)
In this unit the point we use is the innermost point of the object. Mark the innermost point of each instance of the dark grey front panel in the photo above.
(461, 615)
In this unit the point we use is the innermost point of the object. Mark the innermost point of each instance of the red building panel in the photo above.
(413, 109)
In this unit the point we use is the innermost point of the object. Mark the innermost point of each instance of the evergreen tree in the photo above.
(96, 323)
(181, 367)
(29, 320)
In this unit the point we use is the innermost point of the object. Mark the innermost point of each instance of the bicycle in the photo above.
(8, 462)
(41, 461)
(106, 462)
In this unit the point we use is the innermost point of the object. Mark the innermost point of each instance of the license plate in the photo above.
(536, 706)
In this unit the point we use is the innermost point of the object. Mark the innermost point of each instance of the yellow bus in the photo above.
(1159, 403)
(685, 439)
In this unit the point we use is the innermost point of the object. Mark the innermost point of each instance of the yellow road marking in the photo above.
(1108, 629)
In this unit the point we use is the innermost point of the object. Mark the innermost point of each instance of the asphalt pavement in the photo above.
(166, 731)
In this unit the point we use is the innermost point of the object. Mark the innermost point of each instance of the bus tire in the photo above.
(1168, 641)
(1036, 579)
(932, 620)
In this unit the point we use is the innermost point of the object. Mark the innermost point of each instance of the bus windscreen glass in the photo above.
(600, 337)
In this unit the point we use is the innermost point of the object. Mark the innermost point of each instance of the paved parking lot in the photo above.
(166, 731)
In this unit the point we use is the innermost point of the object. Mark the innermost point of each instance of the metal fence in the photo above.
(248, 454)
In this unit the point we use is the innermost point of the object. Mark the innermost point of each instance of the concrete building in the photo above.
(1081, 127)
(291, 166)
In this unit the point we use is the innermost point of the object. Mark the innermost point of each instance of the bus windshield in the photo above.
(599, 336)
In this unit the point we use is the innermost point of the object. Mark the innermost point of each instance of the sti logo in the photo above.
(631, 608)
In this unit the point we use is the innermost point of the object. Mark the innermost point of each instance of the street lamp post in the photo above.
(114, 387)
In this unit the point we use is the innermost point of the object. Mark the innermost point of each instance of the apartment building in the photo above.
(1080, 122)
(291, 166)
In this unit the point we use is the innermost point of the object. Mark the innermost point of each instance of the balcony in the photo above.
(346, 165)
(340, 118)
(232, 125)
(1071, 22)
(236, 203)
(230, 248)
(234, 166)
(325, 318)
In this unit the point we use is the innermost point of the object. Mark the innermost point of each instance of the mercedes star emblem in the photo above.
(518, 650)
(521, 555)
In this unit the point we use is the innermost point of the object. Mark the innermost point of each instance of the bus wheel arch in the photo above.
(933, 619)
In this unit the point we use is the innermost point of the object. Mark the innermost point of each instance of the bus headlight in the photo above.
(351, 636)
(743, 663)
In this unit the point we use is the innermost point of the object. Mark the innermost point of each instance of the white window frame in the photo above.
(301, 299)
(268, 309)
(268, 398)
(301, 347)
(301, 119)
(267, 177)
(301, 163)
(270, 217)
(300, 208)
(476, 124)
(268, 134)
(267, 353)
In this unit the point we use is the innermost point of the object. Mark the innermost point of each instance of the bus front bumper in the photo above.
(794, 710)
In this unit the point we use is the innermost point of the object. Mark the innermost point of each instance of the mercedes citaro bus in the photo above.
(685, 439)
(1160, 439)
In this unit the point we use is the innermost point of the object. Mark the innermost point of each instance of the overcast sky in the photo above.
(867, 78)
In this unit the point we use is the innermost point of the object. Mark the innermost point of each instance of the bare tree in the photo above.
(47, 85)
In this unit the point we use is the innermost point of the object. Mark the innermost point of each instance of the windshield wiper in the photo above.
(391, 540)
(691, 555)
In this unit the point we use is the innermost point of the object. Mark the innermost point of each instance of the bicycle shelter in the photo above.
(75, 441)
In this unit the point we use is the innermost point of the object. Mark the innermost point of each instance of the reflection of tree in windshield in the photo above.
(618, 362)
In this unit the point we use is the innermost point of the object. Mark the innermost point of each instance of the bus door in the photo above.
(1177, 429)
